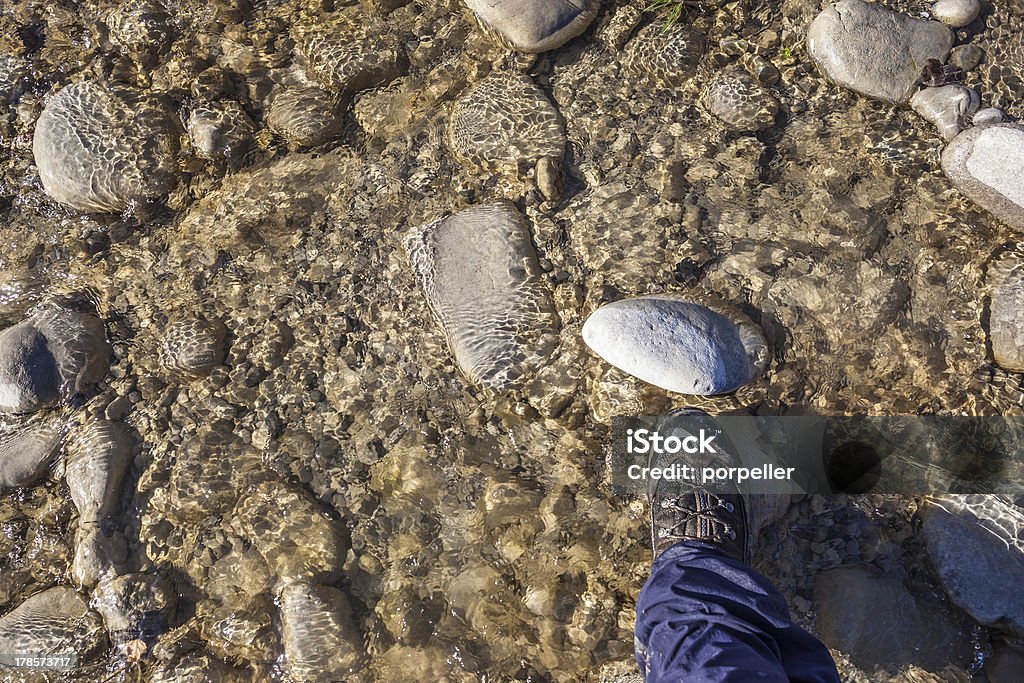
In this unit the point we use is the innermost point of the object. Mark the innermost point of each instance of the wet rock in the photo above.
(740, 101)
(988, 116)
(676, 345)
(505, 119)
(193, 347)
(98, 459)
(304, 116)
(103, 148)
(134, 606)
(349, 52)
(321, 641)
(99, 554)
(534, 25)
(985, 164)
(480, 274)
(242, 629)
(54, 354)
(549, 175)
(956, 13)
(141, 27)
(27, 451)
(669, 57)
(875, 51)
(296, 537)
(876, 622)
(949, 107)
(966, 57)
(14, 72)
(55, 621)
(976, 544)
(269, 205)
(1006, 328)
(220, 130)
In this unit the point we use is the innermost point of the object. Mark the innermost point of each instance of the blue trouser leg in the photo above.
(704, 617)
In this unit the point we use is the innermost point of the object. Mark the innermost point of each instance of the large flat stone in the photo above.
(987, 165)
(873, 50)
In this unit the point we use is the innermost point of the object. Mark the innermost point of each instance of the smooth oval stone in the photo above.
(875, 51)
(956, 13)
(505, 118)
(1006, 326)
(26, 452)
(480, 274)
(56, 621)
(534, 25)
(98, 458)
(676, 345)
(987, 165)
(948, 107)
(321, 642)
(193, 346)
(240, 629)
(102, 148)
(976, 544)
(54, 354)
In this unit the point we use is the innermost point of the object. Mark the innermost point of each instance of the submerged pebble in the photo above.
(976, 544)
(676, 345)
(27, 451)
(55, 621)
(984, 163)
(321, 641)
(296, 537)
(480, 274)
(349, 52)
(98, 458)
(504, 119)
(669, 57)
(305, 116)
(220, 130)
(873, 50)
(1006, 328)
(988, 116)
(534, 25)
(102, 148)
(740, 101)
(56, 353)
(193, 347)
(134, 606)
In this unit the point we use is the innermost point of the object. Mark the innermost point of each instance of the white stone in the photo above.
(987, 164)
(875, 51)
(948, 107)
(676, 345)
(956, 13)
(535, 25)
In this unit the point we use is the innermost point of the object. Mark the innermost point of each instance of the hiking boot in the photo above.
(684, 510)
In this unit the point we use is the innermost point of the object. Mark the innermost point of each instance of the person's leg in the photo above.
(704, 616)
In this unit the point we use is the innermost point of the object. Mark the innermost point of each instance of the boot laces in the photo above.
(689, 514)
